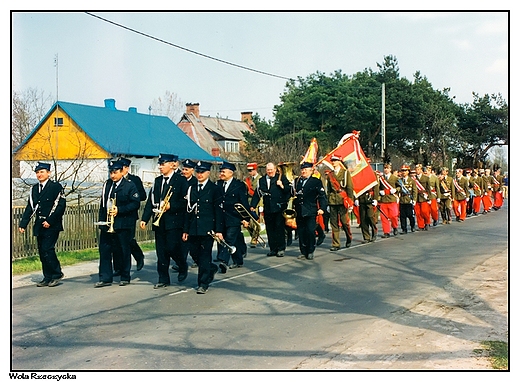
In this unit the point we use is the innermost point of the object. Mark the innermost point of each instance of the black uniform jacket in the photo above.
(127, 203)
(275, 198)
(175, 216)
(310, 197)
(50, 198)
(139, 184)
(204, 210)
(236, 193)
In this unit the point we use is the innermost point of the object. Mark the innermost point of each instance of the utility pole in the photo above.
(383, 123)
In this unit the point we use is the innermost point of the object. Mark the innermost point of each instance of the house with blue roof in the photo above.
(79, 139)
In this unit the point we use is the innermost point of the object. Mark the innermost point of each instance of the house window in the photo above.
(134, 168)
(58, 121)
(231, 146)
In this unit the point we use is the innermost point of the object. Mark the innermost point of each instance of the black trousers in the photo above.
(234, 237)
(114, 248)
(135, 250)
(51, 266)
(275, 229)
(169, 245)
(406, 212)
(201, 248)
(306, 227)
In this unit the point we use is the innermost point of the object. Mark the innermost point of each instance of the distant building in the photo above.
(219, 137)
(80, 139)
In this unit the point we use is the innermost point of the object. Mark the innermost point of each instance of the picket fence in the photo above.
(79, 231)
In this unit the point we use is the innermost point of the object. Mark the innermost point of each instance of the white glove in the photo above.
(467, 199)
(356, 203)
(328, 209)
(350, 209)
(438, 200)
(392, 190)
(374, 202)
(413, 202)
(382, 193)
(429, 202)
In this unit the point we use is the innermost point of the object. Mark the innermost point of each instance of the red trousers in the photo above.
(434, 210)
(477, 200)
(459, 207)
(486, 200)
(391, 210)
(498, 199)
(422, 213)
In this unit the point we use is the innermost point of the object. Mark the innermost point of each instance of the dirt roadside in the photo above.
(441, 332)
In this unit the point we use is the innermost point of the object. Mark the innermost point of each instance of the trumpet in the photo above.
(111, 206)
(254, 227)
(160, 211)
(230, 248)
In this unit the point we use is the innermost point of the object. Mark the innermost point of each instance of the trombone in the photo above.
(230, 248)
(160, 211)
(254, 227)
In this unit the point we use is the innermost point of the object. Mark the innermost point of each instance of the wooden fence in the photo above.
(79, 231)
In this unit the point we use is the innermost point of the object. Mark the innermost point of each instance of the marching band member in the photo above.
(339, 187)
(47, 205)
(434, 194)
(167, 204)
(446, 196)
(476, 185)
(388, 188)
(460, 196)
(422, 207)
(119, 202)
(407, 199)
(204, 217)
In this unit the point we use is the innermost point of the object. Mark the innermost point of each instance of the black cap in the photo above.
(125, 162)
(188, 163)
(167, 158)
(228, 166)
(306, 165)
(115, 165)
(203, 166)
(42, 166)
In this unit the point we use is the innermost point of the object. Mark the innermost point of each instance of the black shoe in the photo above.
(140, 263)
(43, 283)
(101, 284)
(334, 249)
(233, 266)
(223, 267)
(404, 232)
(160, 285)
(412, 229)
(175, 268)
(271, 254)
(426, 227)
(201, 290)
(182, 276)
(395, 231)
(435, 223)
(374, 238)
(385, 235)
(320, 240)
(56, 281)
(280, 254)
(348, 245)
(310, 256)
(124, 283)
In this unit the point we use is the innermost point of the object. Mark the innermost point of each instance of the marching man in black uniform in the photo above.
(310, 202)
(204, 219)
(47, 205)
(119, 203)
(167, 204)
(233, 191)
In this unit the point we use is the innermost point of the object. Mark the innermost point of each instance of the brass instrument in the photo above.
(254, 227)
(160, 211)
(111, 206)
(230, 248)
(289, 213)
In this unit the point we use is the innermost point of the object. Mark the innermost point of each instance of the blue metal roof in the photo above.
(130, 133)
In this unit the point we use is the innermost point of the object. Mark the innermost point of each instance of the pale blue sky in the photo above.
(466, 51)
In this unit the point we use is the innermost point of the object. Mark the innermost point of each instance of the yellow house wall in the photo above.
(60, 142)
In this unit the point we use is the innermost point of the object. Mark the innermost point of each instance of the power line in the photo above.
(188, 50)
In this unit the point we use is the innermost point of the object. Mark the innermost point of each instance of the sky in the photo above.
(464, 51)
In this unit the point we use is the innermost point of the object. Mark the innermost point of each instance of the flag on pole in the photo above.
(312, 152)
(354, 159)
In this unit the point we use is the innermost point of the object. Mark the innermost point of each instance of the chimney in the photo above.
(110, 103)
(247, 117)
(193, 108)
(132, 109)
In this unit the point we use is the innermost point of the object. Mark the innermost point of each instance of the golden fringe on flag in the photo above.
(312, 152)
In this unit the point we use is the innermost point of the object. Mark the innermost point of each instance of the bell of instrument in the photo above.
(290, 218)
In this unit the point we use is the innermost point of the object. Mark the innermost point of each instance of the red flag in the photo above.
(354, 159)
(312, 152)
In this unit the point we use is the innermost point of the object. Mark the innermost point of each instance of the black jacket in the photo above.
(204, 210)
(275, 198)
(236, 193)
(310, 198)
(127, 203)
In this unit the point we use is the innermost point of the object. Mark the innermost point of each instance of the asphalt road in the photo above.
(272, 314)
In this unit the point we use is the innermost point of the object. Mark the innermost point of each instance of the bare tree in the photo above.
(170, 105)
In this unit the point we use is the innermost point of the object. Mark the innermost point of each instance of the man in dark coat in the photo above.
(47, 205)
(204, 223)
(119, 203)
(274, 190)
(233, 191)
(311, 201)
(167, 204)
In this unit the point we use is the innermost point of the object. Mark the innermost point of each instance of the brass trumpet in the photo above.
(254, 227)
(289, 214)
(230, 248)
(160, 211)
(111, 206)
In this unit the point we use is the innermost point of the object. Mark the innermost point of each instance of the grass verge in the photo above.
(33, 264)
(497, 352)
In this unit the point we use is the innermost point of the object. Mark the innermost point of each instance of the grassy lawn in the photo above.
(32, 264)
(497, 352)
